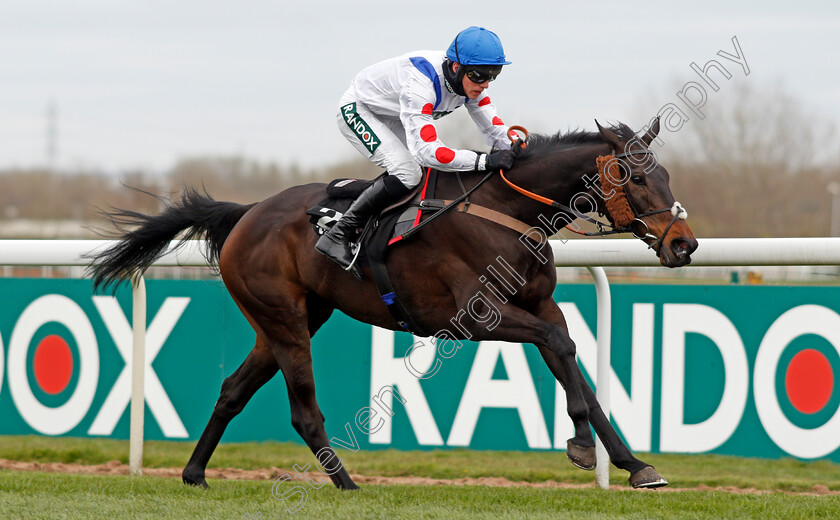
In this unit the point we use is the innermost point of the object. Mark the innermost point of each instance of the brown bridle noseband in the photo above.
(638, 227)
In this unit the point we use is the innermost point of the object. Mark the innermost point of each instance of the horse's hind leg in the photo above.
(237, 390)
(287, 319)
(296, 363)
(318, 311)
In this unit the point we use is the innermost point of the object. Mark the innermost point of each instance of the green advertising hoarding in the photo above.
(739, 370)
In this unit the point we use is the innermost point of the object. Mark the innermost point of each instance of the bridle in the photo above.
(638, 227)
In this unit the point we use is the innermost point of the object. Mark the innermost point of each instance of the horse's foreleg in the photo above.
(519, 325)
(641, 474)
(237, 390)
(580, 448)
(307, 419)
(619, 454)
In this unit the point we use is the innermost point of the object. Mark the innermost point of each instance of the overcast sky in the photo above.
(142, 84)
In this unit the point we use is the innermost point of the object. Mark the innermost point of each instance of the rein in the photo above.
(635, 225)
(563, 207)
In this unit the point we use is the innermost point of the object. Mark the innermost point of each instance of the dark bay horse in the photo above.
(287, 290)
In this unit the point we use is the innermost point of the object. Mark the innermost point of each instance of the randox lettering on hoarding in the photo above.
(725, 369)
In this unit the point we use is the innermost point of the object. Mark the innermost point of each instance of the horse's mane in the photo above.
(540, 144)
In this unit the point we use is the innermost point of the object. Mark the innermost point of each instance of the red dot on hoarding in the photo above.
(53, 364)
(809, 381)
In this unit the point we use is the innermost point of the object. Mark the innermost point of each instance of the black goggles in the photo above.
(481, 74)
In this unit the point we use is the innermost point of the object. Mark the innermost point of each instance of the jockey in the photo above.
(388, 115)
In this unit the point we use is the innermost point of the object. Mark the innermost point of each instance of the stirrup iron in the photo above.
(358, 248)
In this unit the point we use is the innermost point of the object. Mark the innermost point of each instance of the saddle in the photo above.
(342, 192)
(393, 225)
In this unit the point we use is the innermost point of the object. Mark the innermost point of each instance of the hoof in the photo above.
(194, 479)
(581, 456)
(647, 478)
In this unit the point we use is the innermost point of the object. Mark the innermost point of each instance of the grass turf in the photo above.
(680, 470)
(33, 495)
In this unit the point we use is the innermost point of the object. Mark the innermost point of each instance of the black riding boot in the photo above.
(335, 243)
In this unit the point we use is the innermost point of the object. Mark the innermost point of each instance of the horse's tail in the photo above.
(144, 238)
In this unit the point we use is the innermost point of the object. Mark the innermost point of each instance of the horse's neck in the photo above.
(559, 176)
(563, 177)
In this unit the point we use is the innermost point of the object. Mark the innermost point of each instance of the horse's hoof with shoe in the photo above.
(194, 479)
(581, 456)
(647, 478)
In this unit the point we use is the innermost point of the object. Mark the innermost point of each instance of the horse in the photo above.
(265, 253)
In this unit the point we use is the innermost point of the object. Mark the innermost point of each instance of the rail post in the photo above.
(138, 369)
(602, 389)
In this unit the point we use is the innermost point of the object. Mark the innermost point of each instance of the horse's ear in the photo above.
(651, 134)
(609, 136)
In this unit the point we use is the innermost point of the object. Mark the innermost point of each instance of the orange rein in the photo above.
(514, 137)
(616, 207)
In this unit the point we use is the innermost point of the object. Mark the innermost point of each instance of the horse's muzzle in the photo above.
(678, 252)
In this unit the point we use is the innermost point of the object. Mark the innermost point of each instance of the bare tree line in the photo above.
(39, 195)
(756, 166)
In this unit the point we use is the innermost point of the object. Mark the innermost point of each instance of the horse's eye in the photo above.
(638, 179)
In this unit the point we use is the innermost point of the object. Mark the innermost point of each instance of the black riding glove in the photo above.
(498, 160)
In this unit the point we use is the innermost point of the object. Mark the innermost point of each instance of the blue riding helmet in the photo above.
(477, 46)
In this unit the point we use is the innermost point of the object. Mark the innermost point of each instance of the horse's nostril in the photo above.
(692, 245)
(680, 247)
